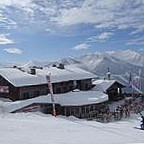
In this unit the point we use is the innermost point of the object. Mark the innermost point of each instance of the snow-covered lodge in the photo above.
(74, 91)
(19, 85)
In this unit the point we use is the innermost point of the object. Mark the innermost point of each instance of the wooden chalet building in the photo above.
(19, 85)
(71, 86)
(112, 88)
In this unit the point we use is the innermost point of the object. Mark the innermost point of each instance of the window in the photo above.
(65, 89)
(36, 93)
(86, 86)
(58, 90)
(70, 88)
(25, 95)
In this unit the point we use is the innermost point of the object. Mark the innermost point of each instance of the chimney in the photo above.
(54, 65)
(33, 71)
(19, 68)
(14, 66)
(61, 66)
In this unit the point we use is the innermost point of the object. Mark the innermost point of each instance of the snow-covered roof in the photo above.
(68, 99)
(19, 78)
(66, 74)
(81, 98)
(103, 85)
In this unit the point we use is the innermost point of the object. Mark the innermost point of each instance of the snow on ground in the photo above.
(37, 128)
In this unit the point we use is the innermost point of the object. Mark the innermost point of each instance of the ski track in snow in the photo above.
(38, 128)
(101, 128)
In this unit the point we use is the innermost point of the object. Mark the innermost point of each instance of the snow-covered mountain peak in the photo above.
(130, 56)
(69, 60)
(31, 64)
(130, 53)
(110, 52)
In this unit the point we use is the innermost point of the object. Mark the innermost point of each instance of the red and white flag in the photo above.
(50, 87)
(51, 92)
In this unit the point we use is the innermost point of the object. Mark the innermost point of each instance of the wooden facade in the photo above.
(13, 92)
(90, 111)
(63, 87)
(85, 111)
(26, 92)
(21, 93)
(115, 91)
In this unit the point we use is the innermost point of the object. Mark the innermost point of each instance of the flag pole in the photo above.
(140, 86)
(51, 94)
(140, 79)
(131, 84)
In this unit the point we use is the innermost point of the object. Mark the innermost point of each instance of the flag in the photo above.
(139, 80)
(51, 92)
(50, 87)
(130, 80)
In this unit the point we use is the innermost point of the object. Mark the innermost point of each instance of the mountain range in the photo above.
(120, 62)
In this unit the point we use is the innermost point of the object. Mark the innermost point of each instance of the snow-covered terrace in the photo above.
(81, 98)
(68, 99)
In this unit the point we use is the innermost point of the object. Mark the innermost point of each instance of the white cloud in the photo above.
(101, 37)
(101, 14)
(15, 2)
(26, 15)
(141, 49)
(91, 11)
(118, 14)
(5, 22)
(5, 40)
(136, 41)
(13, 50)
(50, 31)
(82, 15)
(81, 47)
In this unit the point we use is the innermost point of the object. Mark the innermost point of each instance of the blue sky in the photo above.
(48, 30)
